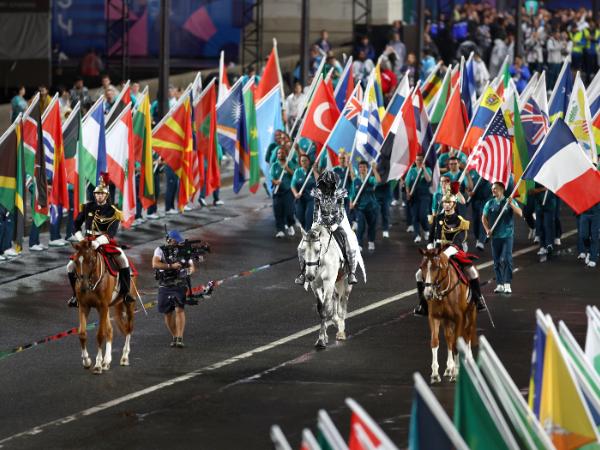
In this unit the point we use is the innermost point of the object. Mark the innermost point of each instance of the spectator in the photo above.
(427, 65)
(91, 65)
(294, 103)
(534, 52)
(501, 49)
(106, 83)
(110, 96)
(577, 38)
(44, 98)
(399, 49)
(410, 68)
(362, 67)
(64, 102)
(323, 42)
(520, 74)
(557, 51)
(79, 93)
(365, 46)
(480, 72)
(134, 92)
(18, 104)
(590, 57)
(389, 81)
(316, 55)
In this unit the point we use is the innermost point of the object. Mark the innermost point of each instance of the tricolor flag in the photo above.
(489, 104)
(224, 85)
(142, 141)
(393, 107)
(559, 100)
(561, 166)
(345, 85)
(231, 129)
(439, 105)
(453, 124)
(121, 162)
(375, 434)
(579, 119)
(251, 135)
(93, 141)
(520, 153)
(9, 145)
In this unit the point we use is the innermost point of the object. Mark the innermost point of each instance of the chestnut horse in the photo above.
(97, 288)
(447, 296)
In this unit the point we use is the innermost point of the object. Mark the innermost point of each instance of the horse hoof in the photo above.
(87, 363)
(341, 336)
(449, 372)
(124, 361)
(97, 370)
(452, 379)
(435, 379)
(320, 344)
(105, 367)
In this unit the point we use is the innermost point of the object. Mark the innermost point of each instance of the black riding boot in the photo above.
(476, 293)
(125, 285)
(72, 302)
(421, 310)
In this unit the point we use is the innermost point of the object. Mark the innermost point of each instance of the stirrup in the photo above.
(72, 302)
(480, 304)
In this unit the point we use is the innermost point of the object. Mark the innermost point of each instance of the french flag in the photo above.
(561, 166)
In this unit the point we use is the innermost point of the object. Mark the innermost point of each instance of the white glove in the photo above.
(95, 244)
(334, 227)
(79, 236)
(430, 246)
(100, 240)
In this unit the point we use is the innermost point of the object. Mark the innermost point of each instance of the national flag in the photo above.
(19, 211)
(53, 133)
(534, 115)
(172, 141)
(488, 106)
(453, 124)
(430, 427)
(520, 154)
(206, 137)
(465, 90)
(121, 102)
(345, 85)
(579, 120)
(278, 439)
(93, 141)
(393, 107)
(424, 138)
(493, 158)
(537, 363)
(592, 339)
(268, 120)
(401, 144)
(561, 166)
(362, 438)
(593, 94)
(224, 85)
(503, 78)
(9, 144)
(439, 106)
(328, 436)
(231, 129)
(369, 135)
(121, 162)
(142, 142)
(432, 84)
(559, 100)
(563, 411)
(476, 414)
(378, 89)
(251, 135)
(529, 87)
(48, 141)
(341, 138)
(375, 434)
(320, 116)
(309, 442)
(526, 427)
(470, 71)
(35, 161)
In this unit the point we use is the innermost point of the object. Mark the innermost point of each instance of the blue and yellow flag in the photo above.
(559, 100)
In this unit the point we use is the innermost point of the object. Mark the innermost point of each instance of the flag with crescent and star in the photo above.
(321, 116)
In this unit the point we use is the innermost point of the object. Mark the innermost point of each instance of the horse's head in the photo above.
(86, 262)
(312, 254)
(434, 267)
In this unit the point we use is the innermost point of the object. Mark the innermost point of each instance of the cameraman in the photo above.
(173, 286)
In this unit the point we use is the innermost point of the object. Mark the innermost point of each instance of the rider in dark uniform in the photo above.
(329, 211)
(449, 232)
(101, 220)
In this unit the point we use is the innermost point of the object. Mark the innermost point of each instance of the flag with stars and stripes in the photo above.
(369, 135)
(492, 159)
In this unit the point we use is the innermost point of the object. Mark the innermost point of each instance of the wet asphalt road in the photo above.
(244, 368)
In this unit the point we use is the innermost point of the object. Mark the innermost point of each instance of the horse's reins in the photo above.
(318, 261)
(437, 284)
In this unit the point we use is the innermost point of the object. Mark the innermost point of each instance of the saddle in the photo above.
(109, 252)
(460, 260)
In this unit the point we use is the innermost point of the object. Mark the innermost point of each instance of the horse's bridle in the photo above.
(439, 295)
(317, 263)
(80, 277)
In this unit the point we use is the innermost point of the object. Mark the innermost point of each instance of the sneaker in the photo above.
(280, 234)
(291, 231)
(203, 202)
(172, 212)
(480, 246)
(507, 288)
(354, 226)
(371, 246)
(587, 258)
(219, 203)
(11, 253)
(557, 241)
(591, 264)
(137, 222)
(386, 234)
(57, 243)
(542, 251)
(188, 208)
(426, 235)
(153, 216)
(417, 239)
(173, 342)
(531, 234)
(536, 240)
(394, 203)
(499, 289)
(581, 256)
(179, 342)
(410, 229)
(2, 258)
(36, 248)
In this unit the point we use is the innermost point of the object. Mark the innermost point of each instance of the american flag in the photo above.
(535, 122)
(492, 159)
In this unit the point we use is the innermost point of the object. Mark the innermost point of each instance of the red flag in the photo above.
(52, 129)
(270, 78)
(206, 139)
(454, 124)
(321, 116)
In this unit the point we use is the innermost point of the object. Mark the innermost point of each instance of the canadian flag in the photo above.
(120, 154)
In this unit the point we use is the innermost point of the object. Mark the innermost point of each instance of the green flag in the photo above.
(19, 210)
(440, 104)
(520, 154)
(252, 135)
(8, 169)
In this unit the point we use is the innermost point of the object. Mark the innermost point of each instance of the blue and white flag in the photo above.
(369, 135)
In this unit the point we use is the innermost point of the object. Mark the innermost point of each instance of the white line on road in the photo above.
(218, 365)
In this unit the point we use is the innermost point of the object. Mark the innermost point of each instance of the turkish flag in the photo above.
(322, 115)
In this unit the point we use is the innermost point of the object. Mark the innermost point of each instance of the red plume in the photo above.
(454, 187)
(105, 177)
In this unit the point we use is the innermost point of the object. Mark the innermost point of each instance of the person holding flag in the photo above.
(419, 197)
(366, 205)
(304, 202)
(283, 200)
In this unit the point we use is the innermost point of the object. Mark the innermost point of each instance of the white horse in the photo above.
(327, 278)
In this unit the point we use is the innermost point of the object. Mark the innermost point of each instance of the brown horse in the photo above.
(448, 303)
(97, 288)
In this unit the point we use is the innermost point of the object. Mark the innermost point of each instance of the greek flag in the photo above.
(369, 136)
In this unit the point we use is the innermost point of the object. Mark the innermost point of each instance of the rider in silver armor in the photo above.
(329, 211)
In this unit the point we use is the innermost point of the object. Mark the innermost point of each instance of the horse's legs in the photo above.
(322, 309)
(124, 320)
(342, 306)
(434, 325)
(100, 337)
(108, 337)
(451, 343)
(83, 315)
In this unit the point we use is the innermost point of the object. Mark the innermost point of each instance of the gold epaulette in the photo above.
(118, 214)
(464, 224)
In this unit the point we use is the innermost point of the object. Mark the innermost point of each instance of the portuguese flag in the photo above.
(142, 144)
(206, 138)
(252, 135)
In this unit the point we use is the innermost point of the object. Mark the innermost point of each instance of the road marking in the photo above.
(227, 362)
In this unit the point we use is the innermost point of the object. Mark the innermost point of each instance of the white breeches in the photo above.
(121, 260)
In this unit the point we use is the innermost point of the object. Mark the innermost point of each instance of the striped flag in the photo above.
(345, 85)
(369, 135)
(492, 159)
(224, 86)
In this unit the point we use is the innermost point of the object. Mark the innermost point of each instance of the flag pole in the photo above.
(279, 74)
(47, 111)
(308, 98)
(460, 148)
